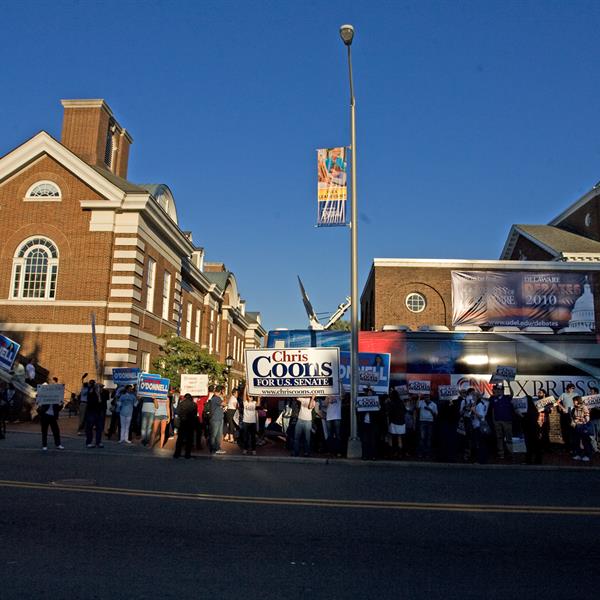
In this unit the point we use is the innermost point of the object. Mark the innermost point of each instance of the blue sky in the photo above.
(471, 116)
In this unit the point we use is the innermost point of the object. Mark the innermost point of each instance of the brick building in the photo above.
(418, 292)
(78, 239)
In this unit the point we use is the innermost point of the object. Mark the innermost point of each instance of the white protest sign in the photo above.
(448, 392)
(194, 385)
(543, 402)
(419, 386)
(592, 401)
(293, 371)
(50, 394)
(519, 404)
(505, 373)
(367, 403)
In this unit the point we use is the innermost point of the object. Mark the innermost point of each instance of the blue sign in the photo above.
(8, 352)
(128, 376)
(153, 386)
(373, 368)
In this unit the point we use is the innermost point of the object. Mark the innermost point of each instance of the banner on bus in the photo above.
(373, 371)
(50, 394)
(125, 376)
(153, 386)
(194, 384)
(332, 186)
(8, 352)
(293, 372)
(521, 299)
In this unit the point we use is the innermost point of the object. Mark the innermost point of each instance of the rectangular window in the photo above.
(166, 295)
(188, 322)
(145, 362)
(210, 334)
(150, 279)
(197, 330)
(17, 281)
(217, 347)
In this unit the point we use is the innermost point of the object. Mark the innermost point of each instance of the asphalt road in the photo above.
(143, 526)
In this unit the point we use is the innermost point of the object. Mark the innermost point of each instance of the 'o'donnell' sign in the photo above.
(293, 371)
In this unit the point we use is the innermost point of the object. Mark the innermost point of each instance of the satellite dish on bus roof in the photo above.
(313, 320)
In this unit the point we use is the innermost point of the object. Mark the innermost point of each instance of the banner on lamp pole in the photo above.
(332, 187)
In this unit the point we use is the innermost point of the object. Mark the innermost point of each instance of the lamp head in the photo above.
(229, 362)
(347, 34)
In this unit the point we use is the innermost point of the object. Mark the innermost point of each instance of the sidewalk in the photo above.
(27, 435)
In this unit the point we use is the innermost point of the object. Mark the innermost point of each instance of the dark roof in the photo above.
(218, 277)
(153, 188)
(252, 316)
(121, 183)
(559, 240)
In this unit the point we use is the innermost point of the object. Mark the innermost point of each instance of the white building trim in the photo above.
(129, 344)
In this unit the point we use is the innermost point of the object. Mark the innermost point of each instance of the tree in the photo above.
(182, 356)
(341, 325)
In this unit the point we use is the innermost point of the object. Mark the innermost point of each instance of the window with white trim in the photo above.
(217, 336)
(210, 329)
(166, 294)
(150, 279)
(188, 322)
(415, 302)
(197, 330)
(35, 270)
(44, 191)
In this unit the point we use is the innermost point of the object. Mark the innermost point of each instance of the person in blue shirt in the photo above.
(127, 401)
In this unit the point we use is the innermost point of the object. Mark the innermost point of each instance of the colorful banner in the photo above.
(373, 371)
(297, 372)
(522, 299)
(8, 352)
(153, 386)
(125, 376)
(332, 187)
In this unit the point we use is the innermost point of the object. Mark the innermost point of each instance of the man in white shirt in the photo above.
(334, 424)
(565, 407)
(427, 413)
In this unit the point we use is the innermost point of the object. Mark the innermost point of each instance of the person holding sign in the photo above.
(49, 418)
(582, 446)
(127, 401)
(503, 416)
(249, 423)
(565, 406)
(303, 425)
(428, 411)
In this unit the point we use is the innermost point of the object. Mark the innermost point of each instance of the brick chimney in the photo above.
(91, 131)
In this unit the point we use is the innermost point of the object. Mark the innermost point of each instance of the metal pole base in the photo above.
(354, 448)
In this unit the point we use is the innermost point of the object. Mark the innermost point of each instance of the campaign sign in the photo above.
(194, 385)
(419, 386)
(367, 403)
(448, 392)
(293, 372)
(505, 373)
(127, 376)
(543, 402)
(402, 391)
(592, 401)
(153, 386)
(373, 371)
(50, 394)
(8, 352)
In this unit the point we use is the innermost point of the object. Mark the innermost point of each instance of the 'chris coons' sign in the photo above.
(293, 372)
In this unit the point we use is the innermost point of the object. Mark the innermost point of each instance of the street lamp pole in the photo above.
(354, 447)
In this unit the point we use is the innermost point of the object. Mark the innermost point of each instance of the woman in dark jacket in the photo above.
(533, 422)
(397, 423)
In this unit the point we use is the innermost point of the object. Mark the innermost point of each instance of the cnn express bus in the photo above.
(548, 361)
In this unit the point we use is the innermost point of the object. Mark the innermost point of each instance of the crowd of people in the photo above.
(470, 428)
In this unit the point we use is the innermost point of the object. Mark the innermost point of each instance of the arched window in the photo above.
(35, 269)
(43, 190)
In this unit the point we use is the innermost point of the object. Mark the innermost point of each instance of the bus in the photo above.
(466, 359)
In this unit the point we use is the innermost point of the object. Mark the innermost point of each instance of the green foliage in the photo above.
(182, 356)
(341, 325)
